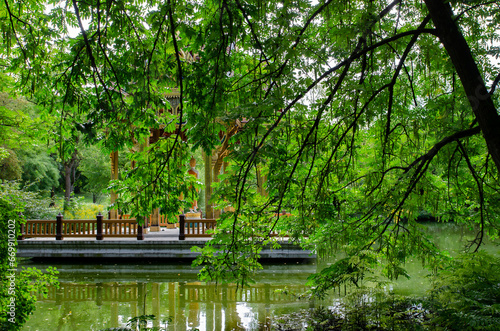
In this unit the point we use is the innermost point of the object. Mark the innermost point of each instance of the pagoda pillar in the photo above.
(113, 213)
(208, 184)
(154, 218)
(193, 172)
(261, 181)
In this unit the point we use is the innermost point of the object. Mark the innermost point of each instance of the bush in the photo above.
(466, 295)
(79, 210)
(34, 206)
(16, 287)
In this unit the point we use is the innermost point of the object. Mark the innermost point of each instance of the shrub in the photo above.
(79, 210)
(466, 295)
(34, 205)
(16, 287)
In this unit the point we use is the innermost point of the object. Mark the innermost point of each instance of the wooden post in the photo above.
(99, 227)
(59, 219)
(140, 232)
(182, 223)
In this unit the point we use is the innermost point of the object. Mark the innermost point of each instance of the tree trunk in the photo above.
(466, 67)
(52, 197)
(69, 171)
(67, 181)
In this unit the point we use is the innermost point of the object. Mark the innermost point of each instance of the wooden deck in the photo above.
(125, 239)
(162, 245)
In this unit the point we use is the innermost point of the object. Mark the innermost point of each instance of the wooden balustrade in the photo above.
(123, 227)
(197, 227)
(200, 227)
(79, 228)
(120, 228)
(163, 220)
(39, 228)
(97, 228)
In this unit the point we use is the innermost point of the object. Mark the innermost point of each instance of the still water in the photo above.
(95, 297)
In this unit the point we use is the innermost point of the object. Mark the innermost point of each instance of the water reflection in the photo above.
(188, 304)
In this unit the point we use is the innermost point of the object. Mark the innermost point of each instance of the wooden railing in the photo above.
(38, 228)
(78, 228)
(201, 227)
(197, 227)
(124, 227)
(120, 228)
(98, 228)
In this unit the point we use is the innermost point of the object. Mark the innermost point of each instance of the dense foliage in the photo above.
(360, 115)
(466, 295)
(359, 120)
(17, 300)
(32, 205)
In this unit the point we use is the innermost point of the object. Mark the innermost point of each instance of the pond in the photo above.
(95, 297)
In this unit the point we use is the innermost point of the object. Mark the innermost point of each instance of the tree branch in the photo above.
(91, 57)
(461, 56)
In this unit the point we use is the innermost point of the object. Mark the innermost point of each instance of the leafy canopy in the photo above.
(361, 115)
